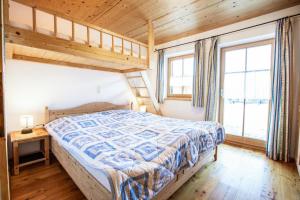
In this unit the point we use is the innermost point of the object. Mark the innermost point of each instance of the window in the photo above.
(180, 76)
(246, 80)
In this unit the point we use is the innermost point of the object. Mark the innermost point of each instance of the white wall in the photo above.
(30, 87)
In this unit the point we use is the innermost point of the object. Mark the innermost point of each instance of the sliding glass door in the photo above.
(245, 88)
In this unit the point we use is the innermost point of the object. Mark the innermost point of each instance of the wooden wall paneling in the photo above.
(2, 63)
(4, 177)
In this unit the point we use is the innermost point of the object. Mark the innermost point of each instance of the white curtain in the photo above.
(198, 75)
(160, 82)
(211, 97)
(279, 127)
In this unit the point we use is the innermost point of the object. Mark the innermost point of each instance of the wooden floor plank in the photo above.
(238, 174)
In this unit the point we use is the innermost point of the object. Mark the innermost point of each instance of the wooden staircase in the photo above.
(141, 88)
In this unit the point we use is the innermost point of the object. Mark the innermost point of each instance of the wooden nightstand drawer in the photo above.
(18, 138)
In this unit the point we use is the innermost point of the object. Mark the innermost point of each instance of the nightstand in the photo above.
(39, 134)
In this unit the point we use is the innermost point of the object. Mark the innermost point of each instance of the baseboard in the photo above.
(245, 142)
(246, 146)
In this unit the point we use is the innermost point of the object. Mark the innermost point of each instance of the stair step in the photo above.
(148, 103)
(131, 77)
(141, 97)
(140, 85)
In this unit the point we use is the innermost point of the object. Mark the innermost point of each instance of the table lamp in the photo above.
(143, 108)
(26, 123)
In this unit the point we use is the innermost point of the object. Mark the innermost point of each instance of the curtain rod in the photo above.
(226, 33)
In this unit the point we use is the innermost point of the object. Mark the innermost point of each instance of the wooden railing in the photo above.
(73, 30)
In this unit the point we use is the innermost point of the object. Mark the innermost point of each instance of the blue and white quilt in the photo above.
(139, 152)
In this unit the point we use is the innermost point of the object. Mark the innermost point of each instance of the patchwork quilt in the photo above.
(139, 152)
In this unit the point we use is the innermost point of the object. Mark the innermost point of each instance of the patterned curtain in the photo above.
(160, 77)
(198, 75)
(211, 97)
(279, 126)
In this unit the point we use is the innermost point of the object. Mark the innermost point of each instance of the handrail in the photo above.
(88, 27)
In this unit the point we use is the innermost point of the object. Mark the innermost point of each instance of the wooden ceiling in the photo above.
(172, 19)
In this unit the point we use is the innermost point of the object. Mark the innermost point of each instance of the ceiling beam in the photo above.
(63, 63)
(150, 42)
(131, 70)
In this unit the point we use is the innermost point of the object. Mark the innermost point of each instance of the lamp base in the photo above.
(26, 130)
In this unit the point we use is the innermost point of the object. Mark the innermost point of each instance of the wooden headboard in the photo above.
(83, 109)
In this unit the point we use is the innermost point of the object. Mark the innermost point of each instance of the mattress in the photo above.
(134, 154)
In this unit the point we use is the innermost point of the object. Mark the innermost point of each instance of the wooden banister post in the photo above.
(4, 176)
(33, 19)
(88, 35)
(73, 31)
(55, 26)
(101, 39)
(150, 42)
(112, 43)
(122, 46)
(140, 52)
(5, 12)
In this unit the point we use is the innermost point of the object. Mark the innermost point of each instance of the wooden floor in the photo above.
(238, 174)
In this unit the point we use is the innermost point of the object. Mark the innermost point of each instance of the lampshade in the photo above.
(26, 121)
(143, 108)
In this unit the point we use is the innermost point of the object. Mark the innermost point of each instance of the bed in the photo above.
(112, 152)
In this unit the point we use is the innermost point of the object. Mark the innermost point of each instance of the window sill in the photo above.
(179, 98)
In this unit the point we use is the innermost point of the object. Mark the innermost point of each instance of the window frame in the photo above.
(231, 138)
(177, 96)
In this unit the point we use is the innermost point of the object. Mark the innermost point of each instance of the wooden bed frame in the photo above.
(88, 185)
